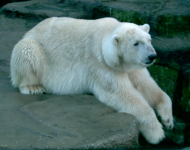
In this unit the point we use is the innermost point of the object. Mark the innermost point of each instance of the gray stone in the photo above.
(64, 122)
(39, 9)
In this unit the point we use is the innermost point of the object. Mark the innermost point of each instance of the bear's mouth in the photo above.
(148, 63)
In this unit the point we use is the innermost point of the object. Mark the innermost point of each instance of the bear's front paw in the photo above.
(168, 123)
(153, 132)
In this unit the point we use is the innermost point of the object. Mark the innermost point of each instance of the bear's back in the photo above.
(61, 26)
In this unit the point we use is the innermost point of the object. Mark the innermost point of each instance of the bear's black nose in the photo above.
(152, 57)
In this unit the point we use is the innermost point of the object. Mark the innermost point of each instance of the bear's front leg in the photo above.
(125, 98)
(156, 98)
(164, 110)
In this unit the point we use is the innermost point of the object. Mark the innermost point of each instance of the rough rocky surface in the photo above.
(170, 30)
(39, 9)
(63, 122)
(3, 2)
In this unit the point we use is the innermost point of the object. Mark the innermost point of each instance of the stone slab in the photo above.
(64, 122)
(39, 9)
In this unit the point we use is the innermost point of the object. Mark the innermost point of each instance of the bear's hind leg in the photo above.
(28, 63)
(32, 89)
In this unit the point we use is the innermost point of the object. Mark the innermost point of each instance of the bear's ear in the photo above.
(116, 39)
(146, 27)
(110, 50)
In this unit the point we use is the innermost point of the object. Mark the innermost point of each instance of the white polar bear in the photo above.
(104, 57)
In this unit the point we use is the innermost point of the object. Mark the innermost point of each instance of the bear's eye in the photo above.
(136, 44)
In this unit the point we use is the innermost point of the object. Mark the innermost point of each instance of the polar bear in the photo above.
(104, 57)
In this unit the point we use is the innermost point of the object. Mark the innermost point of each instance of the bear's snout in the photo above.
(151, 58)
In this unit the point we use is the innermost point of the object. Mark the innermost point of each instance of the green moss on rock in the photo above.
(129, 16)
(185, 99)
(165, 77)
(171, 25)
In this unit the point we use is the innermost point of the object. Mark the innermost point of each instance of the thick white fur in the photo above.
(72, 56)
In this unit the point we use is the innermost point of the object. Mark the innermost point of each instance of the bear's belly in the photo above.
(67, 79)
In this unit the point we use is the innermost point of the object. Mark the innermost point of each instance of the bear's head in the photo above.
(128, 47)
